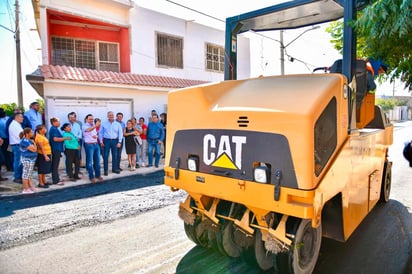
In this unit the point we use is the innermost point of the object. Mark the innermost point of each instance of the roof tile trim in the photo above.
(90, 75)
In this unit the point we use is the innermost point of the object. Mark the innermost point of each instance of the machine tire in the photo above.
(202, 234)
(227, 241)
(197, 233)
(219, 241)
(190, 232)
(263, 257)
(304, 252)
(386, 182)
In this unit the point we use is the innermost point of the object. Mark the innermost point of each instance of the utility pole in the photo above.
(18, 57)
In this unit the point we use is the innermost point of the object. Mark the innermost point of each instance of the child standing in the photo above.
(71, 151)
(28, 150)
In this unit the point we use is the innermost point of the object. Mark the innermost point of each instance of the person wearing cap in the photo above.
(34, 115)
(374, 68)
(71, 151)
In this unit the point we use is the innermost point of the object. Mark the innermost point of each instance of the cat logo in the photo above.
(226, 154)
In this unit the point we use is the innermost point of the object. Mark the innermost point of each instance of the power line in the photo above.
(202, 13)
(291, 58)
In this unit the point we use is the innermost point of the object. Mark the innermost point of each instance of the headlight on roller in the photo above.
(262, 174)
(193, 163)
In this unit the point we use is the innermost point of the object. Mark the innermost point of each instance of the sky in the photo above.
(266, 55)
(30, 53)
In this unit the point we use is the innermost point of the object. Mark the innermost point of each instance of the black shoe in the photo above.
(116, 171)
(156, 165)
(3, 179)
(43, 186)
(149, 165)
(73, 179)
(120, 169)
(19, 181)
(105, 174)
(77, 178)
(137, 166)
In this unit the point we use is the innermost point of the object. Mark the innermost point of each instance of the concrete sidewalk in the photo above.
(9, 188)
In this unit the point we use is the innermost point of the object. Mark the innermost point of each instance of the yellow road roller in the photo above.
(273, 164)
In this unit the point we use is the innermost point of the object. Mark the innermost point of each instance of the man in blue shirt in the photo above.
(34, 115)
(111, 139)
(155, 136)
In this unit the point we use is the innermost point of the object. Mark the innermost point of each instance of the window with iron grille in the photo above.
(169, 51)
(85, 54)
(108, 56)
(215, 58)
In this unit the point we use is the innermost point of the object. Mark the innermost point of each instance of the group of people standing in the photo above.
(32, 148)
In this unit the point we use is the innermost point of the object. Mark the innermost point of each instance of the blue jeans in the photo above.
(92, 160)
(17, 166)
(154, 145)
(2, 159)
(110, 145)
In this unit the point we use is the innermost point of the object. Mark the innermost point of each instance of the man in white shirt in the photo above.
(14, 139)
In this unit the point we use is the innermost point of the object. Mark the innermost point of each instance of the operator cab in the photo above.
(303, 13)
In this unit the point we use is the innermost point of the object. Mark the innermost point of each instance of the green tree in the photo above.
(384, 30)
(41, 105)
(9, 108)
(390, 103)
